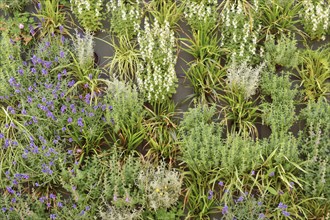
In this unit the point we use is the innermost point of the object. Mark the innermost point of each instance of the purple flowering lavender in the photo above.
(286, 213)
(224, 210)
(80, 122)
(62, 54)
(63, 108)
(240, 199)
(10, 190)
(282, 206)
(71, 83)
(44, 72)
(261, 216)
(210, 196)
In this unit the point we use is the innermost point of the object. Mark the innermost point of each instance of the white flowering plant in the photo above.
(239, 33)
(89, 13)
(201, 15)
(125, 17)
(156, 75)
(315, 18)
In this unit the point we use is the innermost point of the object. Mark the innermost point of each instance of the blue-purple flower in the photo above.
(282, 206)
(224, 210)
(80, 122)
(210, 196)
(286, 213)
(71, 83)
(261, 216)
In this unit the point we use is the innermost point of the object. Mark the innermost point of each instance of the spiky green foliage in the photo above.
(282, 52)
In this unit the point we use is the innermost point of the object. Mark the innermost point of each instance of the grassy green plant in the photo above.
(161, 126)
(314, 73)
(240, 109)
(124, 63)
(279, 17)
(82, 67)
(202, 45)
(52, 18)
(206, 77)
(168, 11)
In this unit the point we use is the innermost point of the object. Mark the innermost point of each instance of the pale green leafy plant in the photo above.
(201, 145)
(156, 76)
(244, 77)
(201, 140)
(83, 45)
(13, 5)
(126, 114)
(9, 66)
(282, 52)
(280, 113)
(162, 186)
(315, 151)
(120, 213)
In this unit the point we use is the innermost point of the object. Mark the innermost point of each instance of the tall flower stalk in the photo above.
(156, 75)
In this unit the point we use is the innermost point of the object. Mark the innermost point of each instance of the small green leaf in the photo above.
(272, 190)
